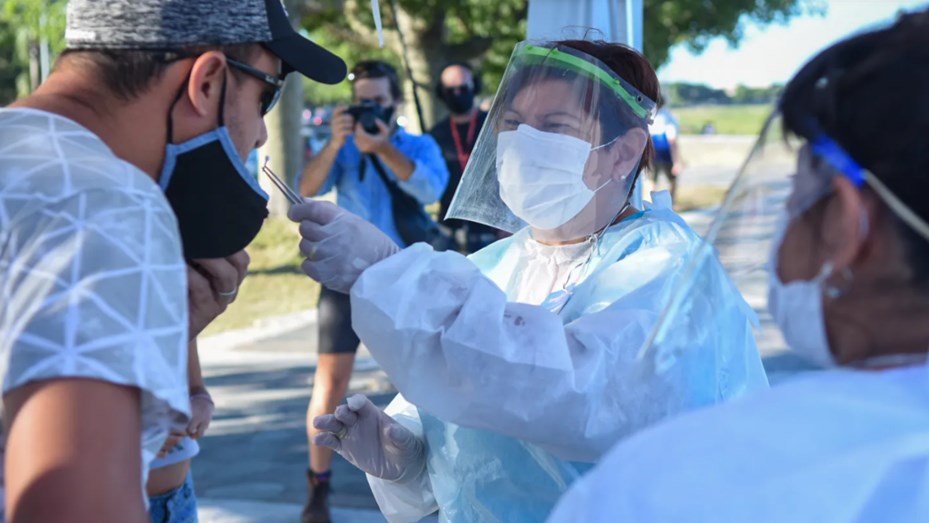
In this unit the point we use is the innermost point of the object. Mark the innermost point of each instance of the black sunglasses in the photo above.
(269, 98)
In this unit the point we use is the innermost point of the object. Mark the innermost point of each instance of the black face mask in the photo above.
(219, 206)
(459, 101)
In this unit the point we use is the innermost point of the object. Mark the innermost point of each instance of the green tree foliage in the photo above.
(9, 69)
(25, 25)
(683, 94)
(756, 95)
(696, 22)
(485, 31)
(435, 31)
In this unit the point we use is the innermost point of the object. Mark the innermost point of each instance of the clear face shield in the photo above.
(780, 183)
(741, 235)
(560, 149)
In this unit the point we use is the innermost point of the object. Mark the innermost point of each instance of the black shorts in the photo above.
(336, 335)
(662, 168)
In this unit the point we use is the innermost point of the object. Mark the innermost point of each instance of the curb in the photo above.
(262, 329)
(237, 511)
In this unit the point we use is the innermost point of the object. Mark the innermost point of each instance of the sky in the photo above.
(774, 53)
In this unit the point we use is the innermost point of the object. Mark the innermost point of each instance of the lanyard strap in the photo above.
(464, 156)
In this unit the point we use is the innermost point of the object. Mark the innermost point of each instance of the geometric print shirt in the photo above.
(92, 280)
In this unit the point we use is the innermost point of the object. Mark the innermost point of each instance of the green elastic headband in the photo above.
(578, 64)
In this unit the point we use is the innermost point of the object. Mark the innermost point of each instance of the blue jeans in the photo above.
(175, 506)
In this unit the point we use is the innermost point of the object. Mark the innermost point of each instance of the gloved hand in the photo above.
(338, 245)
(371, 440)
(201, 414)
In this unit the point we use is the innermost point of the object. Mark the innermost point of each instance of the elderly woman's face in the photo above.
(552, 106)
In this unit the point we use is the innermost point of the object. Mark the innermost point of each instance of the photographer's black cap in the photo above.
(177, 24)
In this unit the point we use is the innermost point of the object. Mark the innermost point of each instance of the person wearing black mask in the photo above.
(368, 150)
(457, 87)
(125, 208)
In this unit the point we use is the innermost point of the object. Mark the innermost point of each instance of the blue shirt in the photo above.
(368, 196)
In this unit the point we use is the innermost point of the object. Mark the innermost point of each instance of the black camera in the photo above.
(367, 113)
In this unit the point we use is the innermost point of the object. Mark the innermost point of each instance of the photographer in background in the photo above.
(373, 164)
(457, 86)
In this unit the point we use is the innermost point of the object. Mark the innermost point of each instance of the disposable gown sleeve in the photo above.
(410, 499)
(454, 346)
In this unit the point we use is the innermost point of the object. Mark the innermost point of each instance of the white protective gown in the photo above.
(515, 401)
(837, 446)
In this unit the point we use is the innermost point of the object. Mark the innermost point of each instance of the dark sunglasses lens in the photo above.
(269, 99)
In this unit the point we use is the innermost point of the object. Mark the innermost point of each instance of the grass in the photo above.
(275, 285)
(728, 119)
(698, 197)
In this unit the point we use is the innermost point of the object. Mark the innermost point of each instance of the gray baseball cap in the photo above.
(176, 24)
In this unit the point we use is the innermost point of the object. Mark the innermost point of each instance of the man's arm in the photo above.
(423, 175)
(397, 162)
(379, 144)
(201, 404)
(67, 432)
(318, 169)
(320, 166)
(194, 374)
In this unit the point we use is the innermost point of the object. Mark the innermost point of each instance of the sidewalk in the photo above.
(232, 511)
(252, 466)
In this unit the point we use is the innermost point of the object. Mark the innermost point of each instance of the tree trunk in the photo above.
(428, 51)
(419, 48)
(284, 145)
(34, 72)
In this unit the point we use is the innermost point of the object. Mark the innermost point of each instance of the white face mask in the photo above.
(797, 308)
(541, 175)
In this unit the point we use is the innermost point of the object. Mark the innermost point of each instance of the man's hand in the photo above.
(201, 414)
(342, 125)
(212, 285)
(173, 439)
(372, 143)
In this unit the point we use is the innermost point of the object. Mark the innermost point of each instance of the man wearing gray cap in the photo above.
(125, 207)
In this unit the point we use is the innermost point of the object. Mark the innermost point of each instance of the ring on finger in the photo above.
(342, 433)
(230, 294)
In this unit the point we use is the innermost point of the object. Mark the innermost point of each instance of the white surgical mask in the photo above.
(797, 308)
(541, 175)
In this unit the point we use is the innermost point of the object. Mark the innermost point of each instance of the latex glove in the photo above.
(338, 245)
(372, 441)
(201, 414)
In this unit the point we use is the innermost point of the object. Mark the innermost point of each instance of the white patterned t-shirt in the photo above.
(92, 278)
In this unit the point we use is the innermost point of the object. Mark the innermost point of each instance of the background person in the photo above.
(521, 363)
(106, 276)
(456, 135)
(349, 163)
(667, 163)
(848, 290)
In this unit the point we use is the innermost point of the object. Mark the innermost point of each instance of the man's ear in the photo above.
(627, 152)
(847, 224)
(206, 82)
